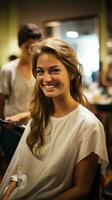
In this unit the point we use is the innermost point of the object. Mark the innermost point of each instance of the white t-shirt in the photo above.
(72, 138)
(18, 89)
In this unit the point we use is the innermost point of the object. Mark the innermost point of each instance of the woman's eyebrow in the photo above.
(51, 67)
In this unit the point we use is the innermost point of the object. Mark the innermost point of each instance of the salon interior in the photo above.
(87, 26)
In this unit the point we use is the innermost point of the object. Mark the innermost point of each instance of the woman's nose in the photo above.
(47, 77)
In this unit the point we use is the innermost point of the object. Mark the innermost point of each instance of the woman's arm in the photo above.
(13, 182)
(11, 187)
(84, 174)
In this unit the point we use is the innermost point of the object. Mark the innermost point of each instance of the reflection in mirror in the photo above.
(83, 35)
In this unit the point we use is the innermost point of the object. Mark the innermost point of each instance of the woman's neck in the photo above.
(63, 107)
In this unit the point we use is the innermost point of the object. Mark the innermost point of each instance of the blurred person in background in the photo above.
(16, 86)
(12, 57)
(106, 76)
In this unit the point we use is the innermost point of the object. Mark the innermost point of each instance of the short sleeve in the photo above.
(92, 139)
(5, 81)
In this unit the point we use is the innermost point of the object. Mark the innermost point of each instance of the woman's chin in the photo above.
(50, 95)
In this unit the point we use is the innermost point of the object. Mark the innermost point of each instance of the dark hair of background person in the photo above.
(28, 31)
(12, 57)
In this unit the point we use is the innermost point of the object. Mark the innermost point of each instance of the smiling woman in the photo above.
(64, 143)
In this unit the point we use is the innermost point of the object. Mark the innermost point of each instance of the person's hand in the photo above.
(18, 117)
(14, 118)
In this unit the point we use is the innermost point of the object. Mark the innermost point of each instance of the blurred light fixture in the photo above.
(72, 34)
(54, 23)
(109, 44)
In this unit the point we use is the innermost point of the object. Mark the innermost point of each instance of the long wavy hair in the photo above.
(41, 107)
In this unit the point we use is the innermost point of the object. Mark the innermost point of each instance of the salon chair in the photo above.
(95, 191)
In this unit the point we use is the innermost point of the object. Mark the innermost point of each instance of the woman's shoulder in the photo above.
(88, 117)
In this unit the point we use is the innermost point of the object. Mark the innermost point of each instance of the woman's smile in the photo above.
(49, 88)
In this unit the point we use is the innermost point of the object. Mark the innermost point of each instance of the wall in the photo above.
(8, 29)
(39, 11)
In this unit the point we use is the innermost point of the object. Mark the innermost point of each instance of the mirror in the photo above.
(83, 35)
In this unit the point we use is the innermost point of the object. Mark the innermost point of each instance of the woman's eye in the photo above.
(39, 71)
(55, 71)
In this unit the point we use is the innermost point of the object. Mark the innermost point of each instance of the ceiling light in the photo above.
(72, 34)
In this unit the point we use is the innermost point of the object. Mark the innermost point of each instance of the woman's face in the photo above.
(52, 76)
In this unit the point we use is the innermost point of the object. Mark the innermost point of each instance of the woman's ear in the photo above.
(71, 75)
